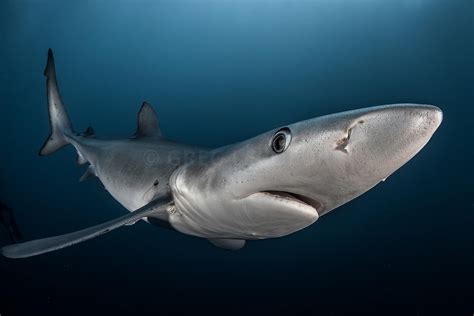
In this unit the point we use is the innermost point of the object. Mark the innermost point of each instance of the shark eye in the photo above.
(281, 140)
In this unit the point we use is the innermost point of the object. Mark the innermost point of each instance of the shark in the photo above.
(268, 186)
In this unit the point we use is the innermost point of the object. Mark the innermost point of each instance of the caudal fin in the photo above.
(58, 119)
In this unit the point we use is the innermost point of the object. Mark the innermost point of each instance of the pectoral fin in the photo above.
(39, 246)
(88, 174)
(228, 244)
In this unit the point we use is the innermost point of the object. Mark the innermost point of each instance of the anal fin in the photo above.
(89, 174)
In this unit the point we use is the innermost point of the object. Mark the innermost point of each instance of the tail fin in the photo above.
(58, 118)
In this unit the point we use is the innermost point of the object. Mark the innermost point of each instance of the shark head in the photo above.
(282, 181)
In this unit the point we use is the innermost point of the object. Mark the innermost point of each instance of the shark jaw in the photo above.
(288, 197)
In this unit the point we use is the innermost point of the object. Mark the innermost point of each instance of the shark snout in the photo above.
(436, 115)
(339, 157)
(387, 138)
(427, 116)
(394, 129)
(382, 139)
(402, 128)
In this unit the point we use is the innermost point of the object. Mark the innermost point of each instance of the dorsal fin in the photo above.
(89, 132)
(148, 125)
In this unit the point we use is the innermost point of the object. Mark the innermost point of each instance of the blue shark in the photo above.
(269, 186)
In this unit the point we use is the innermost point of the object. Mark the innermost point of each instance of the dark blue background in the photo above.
(218, 72)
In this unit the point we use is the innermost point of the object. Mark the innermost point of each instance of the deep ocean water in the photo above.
(220, 71)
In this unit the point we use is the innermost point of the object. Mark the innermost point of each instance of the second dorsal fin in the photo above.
(89, 132)
(148, 125)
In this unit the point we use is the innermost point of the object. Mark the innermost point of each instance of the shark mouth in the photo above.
(289, 196)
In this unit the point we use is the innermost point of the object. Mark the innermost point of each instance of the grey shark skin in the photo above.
(268, 186)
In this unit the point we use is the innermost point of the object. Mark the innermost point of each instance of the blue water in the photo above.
(218, 72)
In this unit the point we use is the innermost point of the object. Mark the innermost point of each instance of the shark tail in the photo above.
(60, 123)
